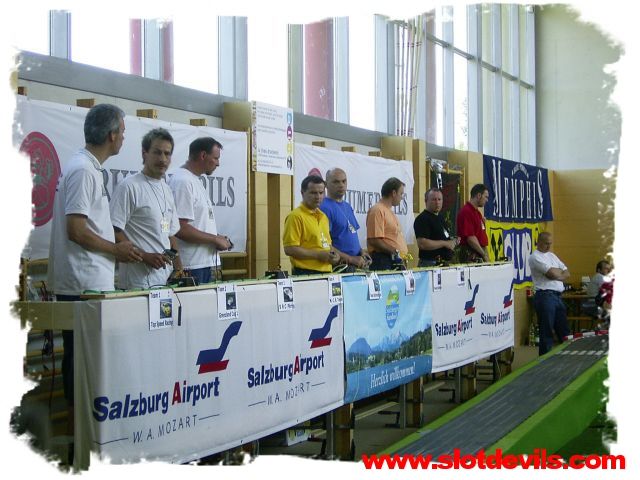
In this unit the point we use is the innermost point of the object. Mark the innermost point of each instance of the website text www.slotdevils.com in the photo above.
(539, 459)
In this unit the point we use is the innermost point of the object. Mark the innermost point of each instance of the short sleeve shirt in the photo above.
(383, 223)
(81, 191)
(143, 208)
(540, 263)
(309, 229)
(470, 222)
(193, 204)
(343, 226)
(431, 226)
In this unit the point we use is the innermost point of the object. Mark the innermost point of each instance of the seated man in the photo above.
(306, 237)
(603, 268)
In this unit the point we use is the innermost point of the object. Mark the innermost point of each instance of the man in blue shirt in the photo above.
(342, 222)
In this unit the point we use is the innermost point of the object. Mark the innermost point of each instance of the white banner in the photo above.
(365, 176)
(51, 133)
(205, 385)
(472, 320)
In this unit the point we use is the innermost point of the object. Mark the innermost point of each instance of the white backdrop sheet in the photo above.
(365, 176)
(60, 127)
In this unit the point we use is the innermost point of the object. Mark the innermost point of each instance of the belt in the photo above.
(555, 292)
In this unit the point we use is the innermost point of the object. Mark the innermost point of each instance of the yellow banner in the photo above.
(515, 241)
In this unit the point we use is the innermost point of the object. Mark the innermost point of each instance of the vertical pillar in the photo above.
(343, 432)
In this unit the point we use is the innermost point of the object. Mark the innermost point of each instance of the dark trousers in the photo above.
(552, 317)
(382, 261)
(67, 356)
(306, 271)
(426, 262)
(201, 275)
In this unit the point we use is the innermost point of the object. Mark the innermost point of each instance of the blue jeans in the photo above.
(552, 317)
(201, 275)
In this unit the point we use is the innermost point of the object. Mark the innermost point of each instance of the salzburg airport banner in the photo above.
(387, 341)
(473, 314)
(365, 176)
(209, 381)
(515, 241)
(517, 192)
(50, 133)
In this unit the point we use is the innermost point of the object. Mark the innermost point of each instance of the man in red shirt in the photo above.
(471, 228)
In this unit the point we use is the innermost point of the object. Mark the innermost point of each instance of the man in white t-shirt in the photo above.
(198, 239)
(549, 274)
(82, 250)
(143, 211)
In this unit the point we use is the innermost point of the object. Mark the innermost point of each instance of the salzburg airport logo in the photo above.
(508, 299)
(318, 336)
(469, 306)
(211, 360)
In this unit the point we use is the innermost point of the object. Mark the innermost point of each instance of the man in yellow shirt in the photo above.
(306, 237)
(385, 241)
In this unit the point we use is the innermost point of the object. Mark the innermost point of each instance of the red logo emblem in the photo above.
(45, 170)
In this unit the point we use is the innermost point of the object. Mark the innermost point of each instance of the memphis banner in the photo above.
(472, 319)
(204, 385)
(50, 133)
(517, 192)
(387, 341)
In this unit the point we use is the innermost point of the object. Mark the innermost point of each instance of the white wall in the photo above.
(577, 126)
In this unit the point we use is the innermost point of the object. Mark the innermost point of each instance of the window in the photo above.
(461, 103)
(195, 47)
(362, 71)
(267, 59)
(435, 94)
(103, 43)
(488, 121)
(30, 32)
(460, 25)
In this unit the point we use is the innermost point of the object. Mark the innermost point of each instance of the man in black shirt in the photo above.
(434, 241)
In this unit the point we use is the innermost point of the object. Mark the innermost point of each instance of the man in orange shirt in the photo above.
(385, 241)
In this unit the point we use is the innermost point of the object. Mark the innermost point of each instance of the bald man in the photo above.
(549, 274)
(343, 225)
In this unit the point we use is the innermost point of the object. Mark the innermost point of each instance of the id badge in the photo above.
(210, 213)
(164, 225)
(351, 229)
(446, 234)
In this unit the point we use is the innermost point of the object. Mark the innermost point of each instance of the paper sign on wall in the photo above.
(437, 279)
(160, 309)
(409, 282)
(284, 288)
(375, 290)
(461, 276)
(227, 302)
(335, 289)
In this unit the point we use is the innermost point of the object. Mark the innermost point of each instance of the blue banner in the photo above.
(518, 193)
(387, 341)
